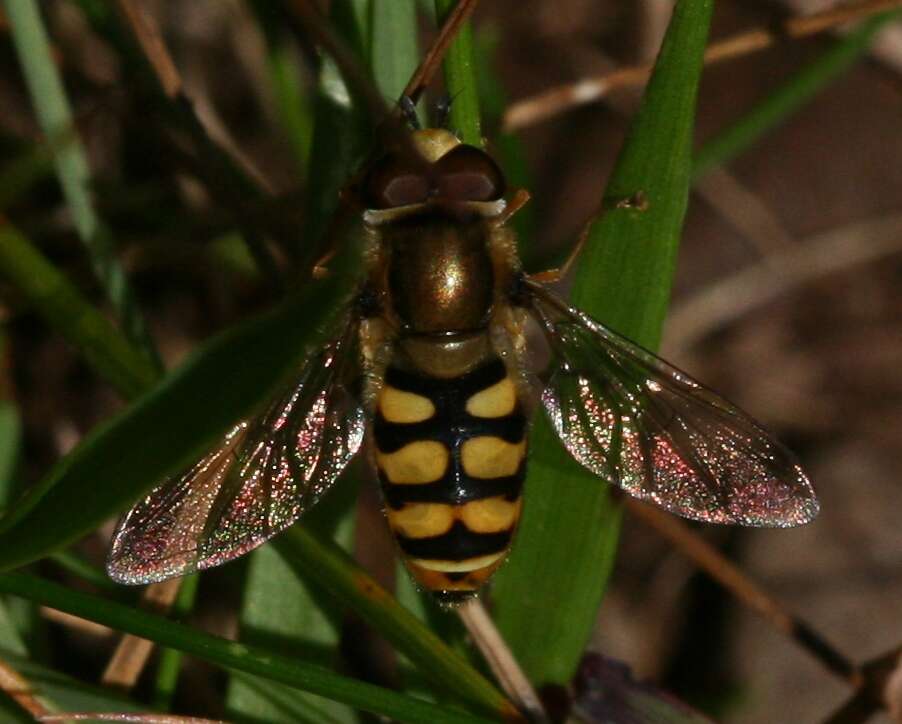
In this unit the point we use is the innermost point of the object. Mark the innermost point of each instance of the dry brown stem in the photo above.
(228, 173)
(500, 659)
(17, 688)
(793, 265)
(564, 97)
(132, 652)
(90, 628)
(744, 210)
(423, 75)
(731, 577)
(882, 690)
(151, 42)
(126, 716)
(316, 26)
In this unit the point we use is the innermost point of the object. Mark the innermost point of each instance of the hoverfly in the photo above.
(437, 332)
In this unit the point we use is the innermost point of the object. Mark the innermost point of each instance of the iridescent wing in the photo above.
(266, 472)
(640, 423)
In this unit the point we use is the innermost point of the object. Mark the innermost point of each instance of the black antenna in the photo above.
(409, 111)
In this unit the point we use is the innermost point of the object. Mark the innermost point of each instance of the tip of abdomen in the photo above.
(453, 599)
(451, 587)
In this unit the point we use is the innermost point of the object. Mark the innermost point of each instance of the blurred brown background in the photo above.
(787, 299)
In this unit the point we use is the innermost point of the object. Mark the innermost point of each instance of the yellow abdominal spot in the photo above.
(404, 407)
(422, 520)
(491, 457)
(490, 515)
(424, 461)
(496, 401)
(470, 564)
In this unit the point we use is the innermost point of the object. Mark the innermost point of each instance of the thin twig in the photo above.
(54, 114)
(391, 127)
(354, 75)
(734, 296)
(886, 47)
(224, 168)
(725, 572)
(151, 42)
(76, 623)
(132, 652)
(739, 206)
(501, 659)
(654, 15)
(427, 69)
(882, 690)
(892, 689)
(126, 716)
(17, 688)
(744, 210)
(562, 98)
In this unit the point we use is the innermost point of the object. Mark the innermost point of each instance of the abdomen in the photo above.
(451, 457)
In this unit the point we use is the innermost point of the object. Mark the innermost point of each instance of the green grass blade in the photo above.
(294, 110)
(792, 95)
(21, 173)
(460, 80)
(10, 438)
(304, 625)
(393, 58)
(295, 114)
(284, 703)
(339, 130)
(55, 117)
(10, 638)
(333, 570)
(170, 661)
(394, 52)
(167, 428)
(65, 309)
(548, 594)
(307, 626)
(232, 655)
(507, 147)
(74, 565)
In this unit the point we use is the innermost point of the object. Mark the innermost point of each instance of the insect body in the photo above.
(438, 332)
(450, 411)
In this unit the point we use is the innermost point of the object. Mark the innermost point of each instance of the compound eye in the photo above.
(391, 183)
(467, 174)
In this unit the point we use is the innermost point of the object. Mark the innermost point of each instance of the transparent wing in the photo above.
(638, 422)
(264, 475)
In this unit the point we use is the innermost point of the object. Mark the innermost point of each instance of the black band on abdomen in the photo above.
(458, 544)
(447, 428)
(440, 389)
(455, 488)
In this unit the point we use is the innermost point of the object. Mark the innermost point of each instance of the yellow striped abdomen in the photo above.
(451, 457)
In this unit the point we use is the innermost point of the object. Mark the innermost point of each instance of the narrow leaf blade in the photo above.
(548, 595)
(232, 655)
(167, 428)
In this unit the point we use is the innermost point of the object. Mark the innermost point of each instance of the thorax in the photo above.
(438, 278)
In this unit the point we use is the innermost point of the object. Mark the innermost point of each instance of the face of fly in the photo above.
(442, 175)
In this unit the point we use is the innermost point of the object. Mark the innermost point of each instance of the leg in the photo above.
(517, 202)
(552, 276)
(339, 225)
